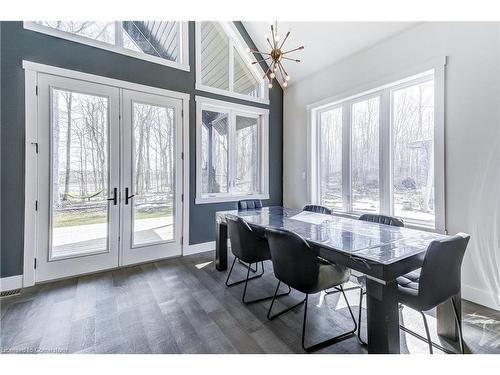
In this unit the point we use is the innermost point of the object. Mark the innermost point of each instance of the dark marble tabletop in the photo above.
(371, 241)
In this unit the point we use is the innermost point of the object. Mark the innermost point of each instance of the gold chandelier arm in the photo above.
(259, 61)
(284, 39)
(288, 58)
(284, 71)
(272, 33)
(292, 50)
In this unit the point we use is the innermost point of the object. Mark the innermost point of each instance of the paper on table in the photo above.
(311, 217)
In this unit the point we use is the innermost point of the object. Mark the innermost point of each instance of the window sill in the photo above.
(230, 94)
(232, 198)
(408, 224)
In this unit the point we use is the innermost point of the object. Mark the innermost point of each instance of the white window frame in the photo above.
(235, 41)
(233, 109)
(183, 64)
(384, 90)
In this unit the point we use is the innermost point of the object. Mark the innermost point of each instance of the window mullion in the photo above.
(346, 157)
(385, 153)
(118, 33)
(231, 157)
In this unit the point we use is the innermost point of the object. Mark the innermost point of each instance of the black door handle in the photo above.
(128, 197)
(115, 197)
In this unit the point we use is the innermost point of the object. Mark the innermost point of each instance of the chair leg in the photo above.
(244, 280)
(271, 317)
(427, 332)
(263, 298)
(254, 270)
(333, 339)
(459, 326)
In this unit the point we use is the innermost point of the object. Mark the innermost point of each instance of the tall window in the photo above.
(164, 42)
(223, 65)
(376, 152)
(232, 149)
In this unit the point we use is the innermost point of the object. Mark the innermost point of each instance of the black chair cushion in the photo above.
(408, 289)
(245, 243)
(318, 209)
(249, 204)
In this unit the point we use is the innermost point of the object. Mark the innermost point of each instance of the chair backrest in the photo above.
(295, 263)
(318, 209)
(249, 204)
(440, 276)
(245, 244)
(383, 219)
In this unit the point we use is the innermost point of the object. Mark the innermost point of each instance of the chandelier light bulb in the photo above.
(285, 84)
(275, 68)
(270, 85)
(272, 75)
(277, 37)
(248, 49)
(287, 77)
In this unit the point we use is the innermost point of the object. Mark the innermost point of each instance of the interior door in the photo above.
(78, 177)
(152, 177)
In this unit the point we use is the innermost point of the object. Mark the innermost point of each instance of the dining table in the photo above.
(380, 252)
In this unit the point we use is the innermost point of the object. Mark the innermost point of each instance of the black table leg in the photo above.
(446, 326)
(220, 246)
(382, 317)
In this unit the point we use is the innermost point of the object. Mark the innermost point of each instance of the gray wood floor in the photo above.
(182, 306)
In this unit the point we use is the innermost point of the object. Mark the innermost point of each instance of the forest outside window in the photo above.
(376, 153)
(223, 66)
(163, 42)
(232, 151)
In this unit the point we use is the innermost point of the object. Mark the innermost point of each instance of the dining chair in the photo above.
(318, 209)
(249, 204)
(437, 282)
(298, 266)
(381, 219)
(250, 248)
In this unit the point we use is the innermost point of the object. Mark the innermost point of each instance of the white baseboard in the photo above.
(10, 283)
(481, 297)
(199, 248)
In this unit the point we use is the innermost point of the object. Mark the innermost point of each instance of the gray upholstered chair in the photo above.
(437, 282)
(249, 204)
(297, 265)
(317, 208)
(247, 247)
(381, 219)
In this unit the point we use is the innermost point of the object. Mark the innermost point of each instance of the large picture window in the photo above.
(163, 42)
(223, 66)
(232, 151)
(376, 152)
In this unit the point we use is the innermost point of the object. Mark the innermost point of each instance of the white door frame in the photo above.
(31, 141)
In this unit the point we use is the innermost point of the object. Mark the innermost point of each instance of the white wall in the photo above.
(472, 131)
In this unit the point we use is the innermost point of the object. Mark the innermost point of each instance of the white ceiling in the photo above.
(325, 42)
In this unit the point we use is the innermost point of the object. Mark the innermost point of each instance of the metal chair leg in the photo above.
(263, 298)
(271, 317)
(241, 281)
(248, 265)
(333, 339)
(459, 326)
(427, 332)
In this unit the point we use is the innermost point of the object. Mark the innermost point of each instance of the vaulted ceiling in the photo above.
(325, 42)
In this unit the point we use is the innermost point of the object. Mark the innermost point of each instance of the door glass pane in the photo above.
(214, 152)
(413, 152)
(153, 174)
(330, 158)
(79, 176)
(214, 56)
(365, 156)
(247, 155)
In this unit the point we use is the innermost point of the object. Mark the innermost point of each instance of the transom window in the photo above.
(163, 42)
(376, 153)
(223, 65)
(232, 151)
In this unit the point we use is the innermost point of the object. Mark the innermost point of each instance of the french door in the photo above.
(109, 177)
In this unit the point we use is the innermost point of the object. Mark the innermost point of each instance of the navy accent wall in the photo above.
(18, 44)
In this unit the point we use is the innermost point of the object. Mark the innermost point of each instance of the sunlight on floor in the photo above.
(201, 265)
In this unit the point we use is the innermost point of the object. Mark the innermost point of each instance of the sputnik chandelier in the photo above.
(276, 57)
